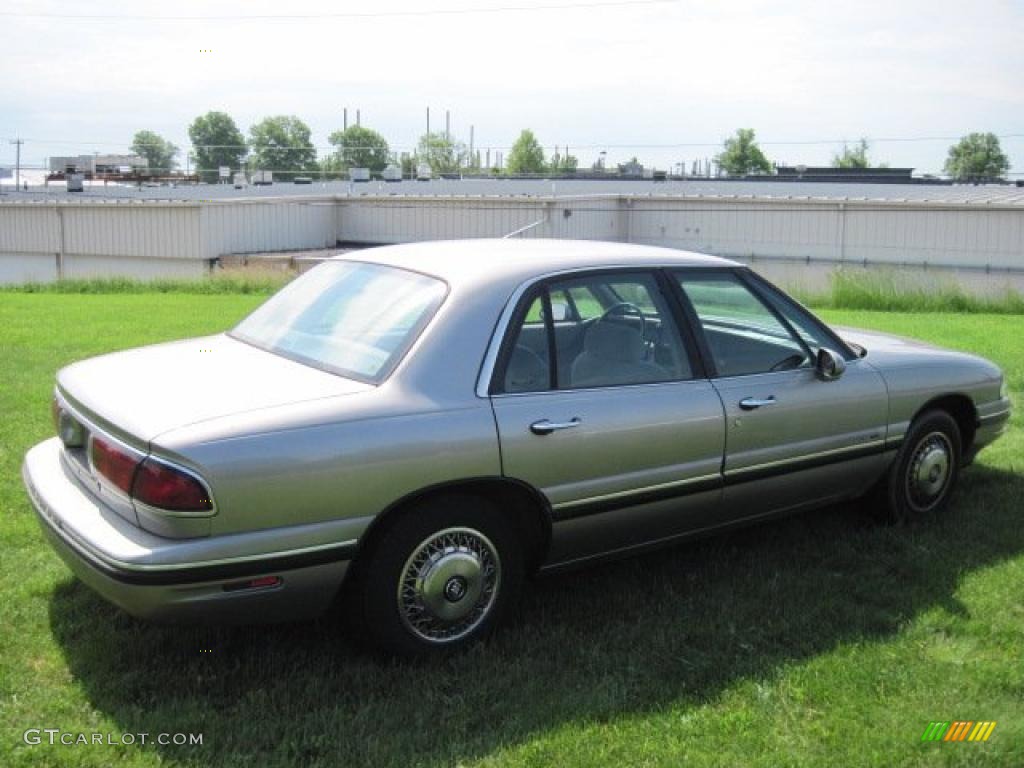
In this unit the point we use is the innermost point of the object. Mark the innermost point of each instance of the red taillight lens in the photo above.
(164, 487)
(116, 465)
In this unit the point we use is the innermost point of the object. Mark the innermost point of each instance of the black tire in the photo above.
(445, 550)
(924, 474)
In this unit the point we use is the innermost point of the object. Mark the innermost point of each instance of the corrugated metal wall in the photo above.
(28, 229)
(411, 219)
(169, 231)
(41, 241)
(728, 228)
(157, 237)
(873, 233)
(276, 225)
(44, 241)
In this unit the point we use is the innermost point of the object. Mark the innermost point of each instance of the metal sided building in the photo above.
(783, 227)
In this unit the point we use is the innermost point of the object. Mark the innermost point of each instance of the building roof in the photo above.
(710, 189)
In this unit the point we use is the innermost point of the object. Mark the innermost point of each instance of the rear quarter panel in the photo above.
(349, 460)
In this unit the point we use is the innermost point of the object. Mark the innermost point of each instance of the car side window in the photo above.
(742, 333)
(803, 323)
(609, 330)
(586, 304)
(527, 367)
(628, 337)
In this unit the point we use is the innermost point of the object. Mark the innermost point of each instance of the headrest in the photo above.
(615, 341)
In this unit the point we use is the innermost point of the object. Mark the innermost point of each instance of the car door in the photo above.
(793, 439)
(601, 404)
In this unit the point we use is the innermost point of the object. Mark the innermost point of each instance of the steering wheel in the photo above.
(789, 363)
(625, 307)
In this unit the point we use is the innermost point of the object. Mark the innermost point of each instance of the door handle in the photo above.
(753, 403)
(545, 427)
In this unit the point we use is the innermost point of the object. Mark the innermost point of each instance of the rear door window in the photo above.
(609, 330)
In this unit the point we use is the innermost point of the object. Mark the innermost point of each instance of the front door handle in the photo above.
(753, 403)
(545, 427)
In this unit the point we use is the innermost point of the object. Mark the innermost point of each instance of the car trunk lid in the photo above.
(144, 392)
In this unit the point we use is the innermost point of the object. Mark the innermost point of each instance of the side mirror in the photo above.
(829, 365)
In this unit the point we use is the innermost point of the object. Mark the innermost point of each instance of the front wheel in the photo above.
(442, 577)
(925, 472)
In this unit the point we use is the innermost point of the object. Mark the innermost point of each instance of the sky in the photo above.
(664, 80)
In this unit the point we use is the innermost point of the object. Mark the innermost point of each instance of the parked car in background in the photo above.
(428, 424)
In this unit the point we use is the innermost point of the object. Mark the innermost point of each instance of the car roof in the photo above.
(462, 262)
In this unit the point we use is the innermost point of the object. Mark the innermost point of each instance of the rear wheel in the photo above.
(925, 472)
(442, 576)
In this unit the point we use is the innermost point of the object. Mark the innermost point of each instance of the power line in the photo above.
(341, 15)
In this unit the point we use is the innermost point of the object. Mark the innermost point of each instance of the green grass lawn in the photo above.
(819, 640)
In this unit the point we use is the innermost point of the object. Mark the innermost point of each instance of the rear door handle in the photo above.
(545, 427)
(753, 403)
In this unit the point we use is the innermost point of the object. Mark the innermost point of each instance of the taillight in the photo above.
(164, 487)
(116, 465)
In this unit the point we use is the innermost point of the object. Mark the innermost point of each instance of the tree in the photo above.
(855, 157)
(526, 156)
(281, 144)
(442, 154)
(359, 147)
(217, 141)
(741, 155)
(563, 163)
(976, 157)
(158, 151)
(331, 167)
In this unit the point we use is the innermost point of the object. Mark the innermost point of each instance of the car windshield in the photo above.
(350, 318)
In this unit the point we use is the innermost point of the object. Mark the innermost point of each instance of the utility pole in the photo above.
(471, 144)
(344, 119)
(428, 121)
(17, 163)
(447, 125)
(357, 117)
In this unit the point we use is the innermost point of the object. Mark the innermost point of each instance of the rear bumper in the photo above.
(158, 578)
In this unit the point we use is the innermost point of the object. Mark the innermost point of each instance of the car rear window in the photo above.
(350, 318)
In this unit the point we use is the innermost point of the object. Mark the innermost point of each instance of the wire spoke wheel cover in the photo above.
(929, 471)
(449, 584)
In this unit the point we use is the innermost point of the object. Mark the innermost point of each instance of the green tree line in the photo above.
(282, 144)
